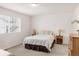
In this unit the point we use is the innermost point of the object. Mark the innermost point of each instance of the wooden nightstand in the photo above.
(59, 39)
(33, 34)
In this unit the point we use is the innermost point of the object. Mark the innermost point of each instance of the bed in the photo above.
(40, 42)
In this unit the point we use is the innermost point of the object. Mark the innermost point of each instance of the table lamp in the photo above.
(60, 32)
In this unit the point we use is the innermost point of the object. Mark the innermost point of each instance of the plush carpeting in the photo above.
(57, 50)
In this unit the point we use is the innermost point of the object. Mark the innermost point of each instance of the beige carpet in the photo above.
(57, 50)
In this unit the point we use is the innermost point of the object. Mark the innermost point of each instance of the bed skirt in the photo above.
(39, 47)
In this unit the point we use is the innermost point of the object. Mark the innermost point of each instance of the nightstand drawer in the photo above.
(59, 36)
(59, 39)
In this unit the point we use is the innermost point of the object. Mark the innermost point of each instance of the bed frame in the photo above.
(38, 47)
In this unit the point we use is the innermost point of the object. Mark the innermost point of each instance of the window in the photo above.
(10, 24)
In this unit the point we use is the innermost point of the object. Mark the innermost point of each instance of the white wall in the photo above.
(76, 17)
(53, 22)
(12, 39)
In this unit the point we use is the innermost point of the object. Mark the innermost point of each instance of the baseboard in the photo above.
(13, 46)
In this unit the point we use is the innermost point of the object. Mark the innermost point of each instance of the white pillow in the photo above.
(45, 32)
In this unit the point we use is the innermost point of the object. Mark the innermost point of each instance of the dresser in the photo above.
(73, 46)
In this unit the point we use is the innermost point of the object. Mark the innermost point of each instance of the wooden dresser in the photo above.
(73, 47)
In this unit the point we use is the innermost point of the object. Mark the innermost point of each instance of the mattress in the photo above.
(43, 40)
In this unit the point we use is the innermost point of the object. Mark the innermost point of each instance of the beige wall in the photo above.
(12, 39)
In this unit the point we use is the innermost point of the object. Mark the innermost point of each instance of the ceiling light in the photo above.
(34, 5)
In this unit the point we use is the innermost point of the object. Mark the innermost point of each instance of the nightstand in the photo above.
(59, 39)
(33, 34)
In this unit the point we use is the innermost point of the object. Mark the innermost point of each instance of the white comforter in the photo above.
(43, 40)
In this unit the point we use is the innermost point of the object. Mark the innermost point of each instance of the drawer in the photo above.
(59, 36)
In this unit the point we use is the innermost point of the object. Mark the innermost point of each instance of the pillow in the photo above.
(45, 32)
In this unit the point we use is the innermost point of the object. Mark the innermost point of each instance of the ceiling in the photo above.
(42, 8)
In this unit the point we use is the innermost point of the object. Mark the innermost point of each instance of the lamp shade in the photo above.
(61, 30)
